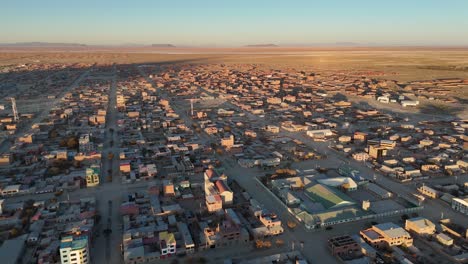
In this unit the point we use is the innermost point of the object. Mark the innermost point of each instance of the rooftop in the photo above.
(392, 230)
(74, 242)
(327, 196)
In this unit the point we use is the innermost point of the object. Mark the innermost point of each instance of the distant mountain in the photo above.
(261, 46)
(345, 43)
(163, 46)
(41, 44)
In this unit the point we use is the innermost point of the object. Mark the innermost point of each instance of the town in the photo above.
(229, 163)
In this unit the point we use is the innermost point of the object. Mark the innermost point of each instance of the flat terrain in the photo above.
(399, 64)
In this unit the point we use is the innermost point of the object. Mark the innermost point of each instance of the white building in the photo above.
(461, 205)
(320, 133)
(74, 250)
(406, 103)
(167, 243)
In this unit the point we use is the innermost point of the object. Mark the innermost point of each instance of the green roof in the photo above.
(327, 196)
(166, 236)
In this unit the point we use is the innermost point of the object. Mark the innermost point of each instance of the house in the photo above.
(420, 226)
(377, 152)
(227, 142)
(214, 203)
(319, 133)
(428, 191)
(444, 239)
(272, 129)
(360, 136)
(343, 246)
(167, 243)
(386, 235)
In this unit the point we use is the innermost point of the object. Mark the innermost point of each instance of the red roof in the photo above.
(210, 173)
(221, 186)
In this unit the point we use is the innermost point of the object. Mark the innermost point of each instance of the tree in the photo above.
(77, 164)
(53, 134)
(279, 242)
(14, 232)
(258, 243)
(72, 143)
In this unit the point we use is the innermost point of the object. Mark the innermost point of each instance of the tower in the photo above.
(15, 111)
(191, 106)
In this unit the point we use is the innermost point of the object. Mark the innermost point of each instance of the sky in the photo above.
(235, 22)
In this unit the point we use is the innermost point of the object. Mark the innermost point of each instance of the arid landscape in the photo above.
(248, 154)
(402, 64)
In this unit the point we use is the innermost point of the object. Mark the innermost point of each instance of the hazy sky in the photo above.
(236, 22)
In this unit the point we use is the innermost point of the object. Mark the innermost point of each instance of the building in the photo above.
(428, 191)
(167, 243)
(343, 246)
(271, 222)
(168, 188)
(74, 250)
(92, 175)
(227, 142)
(5, 159)
(360, 136)
(444, 239)
(225, 192)
(420, 226)
(189, 245)
(319, 133)
(345, 183)
(406, 103)
(274, 100)
(272, 129)
(214, 203)
(386, 235)
(461, 205)
(377, 152)
(328, 197)
(227, 233)
(11, 189)
(85, 145)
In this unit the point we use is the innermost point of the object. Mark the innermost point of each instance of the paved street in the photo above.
(108, 195)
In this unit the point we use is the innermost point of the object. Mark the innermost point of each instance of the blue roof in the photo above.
(74, 242)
